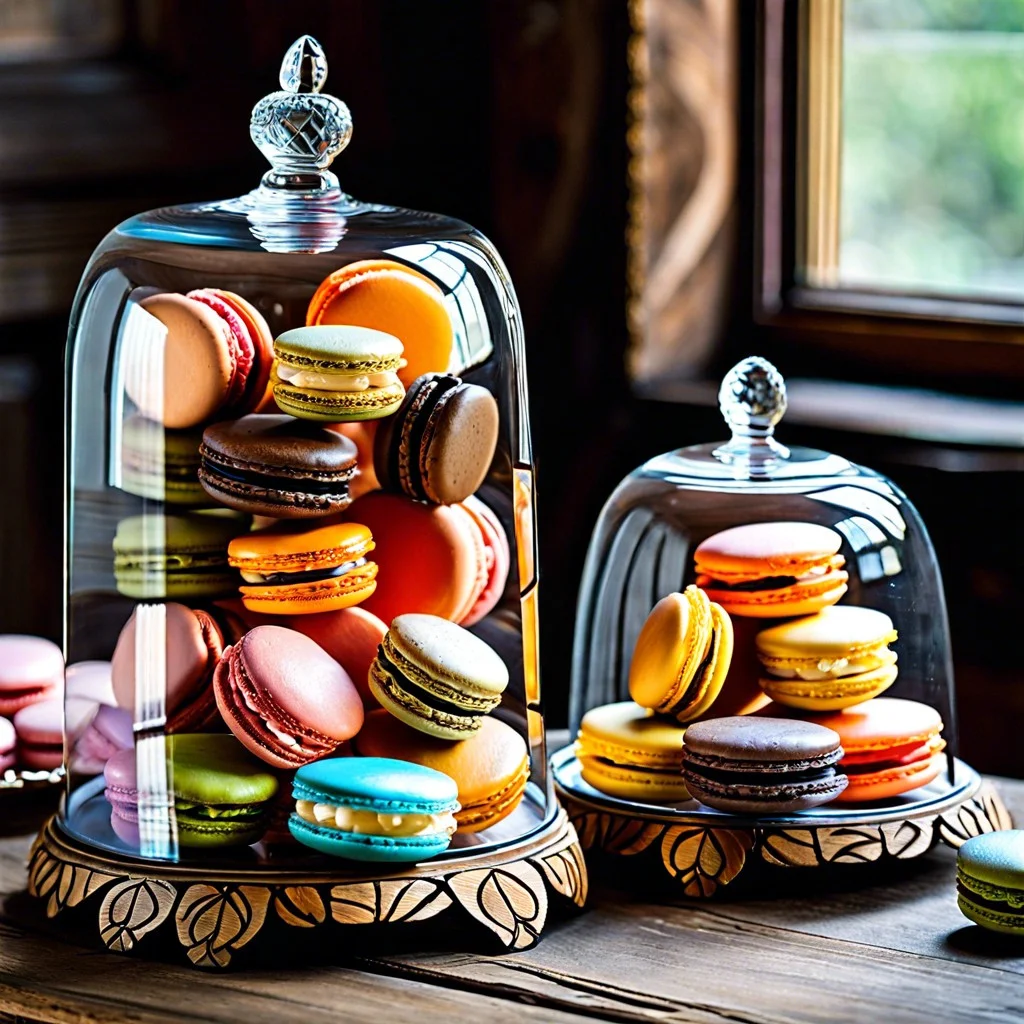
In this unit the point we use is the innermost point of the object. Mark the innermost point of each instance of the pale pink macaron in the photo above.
(40, 729)
(90, 680)
(497, 560)
(107, 732)
(31, 669)
(8, 742)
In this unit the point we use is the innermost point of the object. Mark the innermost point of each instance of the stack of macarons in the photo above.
(31, 704)
(310, 554)
(756, 691)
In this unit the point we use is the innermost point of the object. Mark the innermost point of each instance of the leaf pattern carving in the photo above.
(301, 906)
(908, 839)
(850, 844)
(214, 922)
(615, 833)
(566, 872)
(61, 884)
(511, 901)
(132, 909)
(790, 848)
(984, 812)
(702, 859)
(388, 901)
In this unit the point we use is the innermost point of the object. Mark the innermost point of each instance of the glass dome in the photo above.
(681, 504)
(150, 584)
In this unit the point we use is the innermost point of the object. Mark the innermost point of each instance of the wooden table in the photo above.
(890, 949)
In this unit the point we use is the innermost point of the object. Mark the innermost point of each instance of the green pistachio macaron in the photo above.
(176, 556)
(160, 464)
(436, 676)
(338, 373)
(990, 881)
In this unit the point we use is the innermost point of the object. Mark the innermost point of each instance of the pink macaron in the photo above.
(90, 680)
(40, 729)
(31, 670)
(123, 796)
(108, 732)
(497, 560)
(8, 743)
(285, 698)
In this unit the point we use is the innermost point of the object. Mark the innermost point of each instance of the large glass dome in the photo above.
(151, 586)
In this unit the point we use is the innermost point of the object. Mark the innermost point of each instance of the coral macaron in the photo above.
(285, 698)
(31, 669)
(388, 296)
(772, 570)
(832, 660)
(288, 571)
(437, 677)
(337, 374)
(891, 747)
(681, 656)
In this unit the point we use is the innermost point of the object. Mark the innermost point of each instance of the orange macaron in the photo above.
(491, 768)
(290, 571)
(432, 558)
(772, 570)
(890, 746)
(391, 297)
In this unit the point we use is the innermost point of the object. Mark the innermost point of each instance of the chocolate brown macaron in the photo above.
(438, 447)
(752, 765)
(277, 466)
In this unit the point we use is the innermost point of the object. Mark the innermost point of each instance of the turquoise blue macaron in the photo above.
(373, 809)
(990, 881)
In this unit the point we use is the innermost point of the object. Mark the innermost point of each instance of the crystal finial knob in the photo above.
(752, 399)
(301, 130)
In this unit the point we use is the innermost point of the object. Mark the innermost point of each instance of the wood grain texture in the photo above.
(888, 946)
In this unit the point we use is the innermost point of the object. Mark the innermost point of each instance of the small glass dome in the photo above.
(656, 536)
(150, 585)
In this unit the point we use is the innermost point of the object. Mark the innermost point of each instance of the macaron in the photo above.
(277, 466)
(436, 676)
(31, 670)
(221, 793)
(832, 660)
(109, 730)
(90, 680)
(440, 444)
(388, 296)
(192, 640)
(351, 637)
(337, 373)
(290, 571)
(8, 745)
(175, 556)
(892, 746)
(40, 729)
(990, 881)
(490, 769)
(497, 560)
(285, 698)
(772, 570)
(681, 656)
(747, 764)
(443, 542)
(215, 348)
(373, 809)
(629, 752)
(160, 464)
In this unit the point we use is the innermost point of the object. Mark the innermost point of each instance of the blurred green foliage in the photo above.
(933, 146)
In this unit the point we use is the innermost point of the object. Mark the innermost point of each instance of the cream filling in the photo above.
(827, 668)
(258, 578)
(335, 381)
(370, 823)
(284, 737)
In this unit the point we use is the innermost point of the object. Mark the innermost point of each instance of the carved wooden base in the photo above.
(698, 851)
(212, 915)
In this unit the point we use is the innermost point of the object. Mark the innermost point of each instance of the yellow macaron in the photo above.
(682, 655)
(829, 661)
(629, 752)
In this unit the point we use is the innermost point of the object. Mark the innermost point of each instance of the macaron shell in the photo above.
(263, 344)
(311, 598)
(243, 348)
(496, 561)
(882, 724)
(883, 785)
(338, 406)
(830, 694)
(847, 631)
(771, 798)
(491, 769)
(428, 557)
(801, 598)
(350, 636)
(40, 729)
(286, 547)
(377, 784)
(391, 297)
(759, 550)
(197, 363)
(373, 849)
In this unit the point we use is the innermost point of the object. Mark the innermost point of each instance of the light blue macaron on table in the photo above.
(377, 796)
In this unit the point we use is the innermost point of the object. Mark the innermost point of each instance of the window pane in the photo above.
(932, 178)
